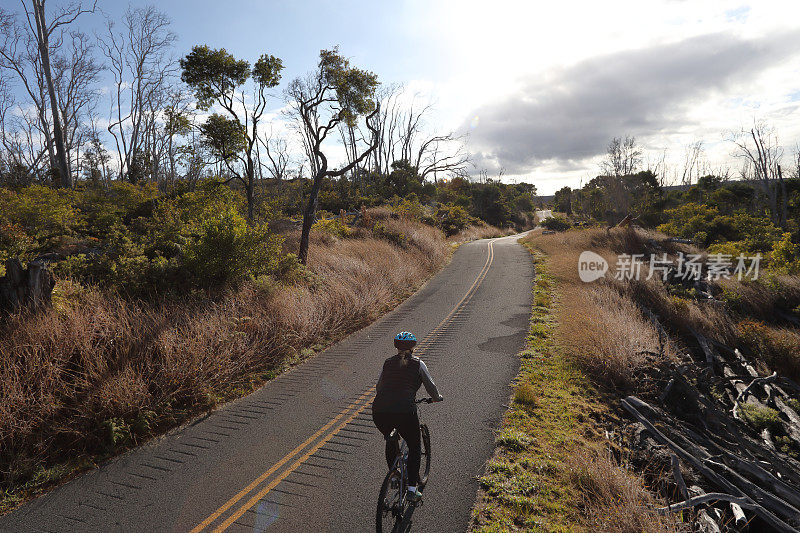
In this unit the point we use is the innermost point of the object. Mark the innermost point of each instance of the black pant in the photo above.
(407, 424)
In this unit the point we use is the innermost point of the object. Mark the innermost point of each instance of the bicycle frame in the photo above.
(400, 466)
(402, 451)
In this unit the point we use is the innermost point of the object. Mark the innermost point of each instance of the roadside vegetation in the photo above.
(551, 470)
(167, 304)
(568, 456)
(754, 213)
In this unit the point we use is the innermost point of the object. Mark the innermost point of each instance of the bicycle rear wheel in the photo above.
(390, 503)
(426, 454)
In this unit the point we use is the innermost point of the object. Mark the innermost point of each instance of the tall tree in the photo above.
(335, 93)
(401, 137)
(28, 52)
(43, 32)
(177, 123)
(218, 78)
(277, 150)
(75, 76)
(762, 159)
(623, 157)
(139, 59)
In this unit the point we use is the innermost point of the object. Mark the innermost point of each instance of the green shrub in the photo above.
(117, 432)
(104, 208)
(761, 418)
(794, 404)
(409, 207)
(227, 250)
(452, 219)
(40, 210)
(556, 223)
(785, 256)
(13, 241)
(732, 248)
(332, 226)
(706, 226)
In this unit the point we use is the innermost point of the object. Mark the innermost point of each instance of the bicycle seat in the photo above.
(393, 435)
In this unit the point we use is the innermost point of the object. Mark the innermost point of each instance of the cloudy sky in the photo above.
(541, 87)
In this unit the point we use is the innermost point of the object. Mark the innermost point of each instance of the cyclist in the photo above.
(394, 407)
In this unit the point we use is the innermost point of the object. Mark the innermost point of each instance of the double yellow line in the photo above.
(308, 447)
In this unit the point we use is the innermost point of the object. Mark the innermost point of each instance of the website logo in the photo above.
(591, 266)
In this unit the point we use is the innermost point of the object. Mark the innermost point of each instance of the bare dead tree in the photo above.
(445, 154)
(623, 157)
(761, 152)
(400, 136)
(386, 123)
(43, 30)
(75, 76)
(140, 61)
(692, 162)
(19, 55)
(278, 158)
(659, 168)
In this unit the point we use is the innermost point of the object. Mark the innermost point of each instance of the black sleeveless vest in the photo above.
(398, 386)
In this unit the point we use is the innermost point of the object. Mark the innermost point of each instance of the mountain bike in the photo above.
(392, 501)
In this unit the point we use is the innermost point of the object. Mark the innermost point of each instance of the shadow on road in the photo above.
(405, 525)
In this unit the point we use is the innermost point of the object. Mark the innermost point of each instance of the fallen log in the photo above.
(707, 523)
(746, 391)
(706, 347)
(739, 518)
(756, 493)
(631, 403)
(776, 485)
(676, 473)
(691, 503)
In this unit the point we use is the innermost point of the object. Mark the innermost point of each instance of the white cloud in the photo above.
(487, 53)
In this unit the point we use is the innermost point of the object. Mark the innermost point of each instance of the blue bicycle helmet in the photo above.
(405, 340)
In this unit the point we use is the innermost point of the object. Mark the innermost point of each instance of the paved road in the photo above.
(301, 454)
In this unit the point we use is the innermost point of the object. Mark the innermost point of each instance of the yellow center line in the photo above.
(202, 525)
(260, 479)
(274, 483)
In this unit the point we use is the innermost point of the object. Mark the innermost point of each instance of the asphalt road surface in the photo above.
(301, 453)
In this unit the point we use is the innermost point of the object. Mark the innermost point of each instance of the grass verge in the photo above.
(550, 470)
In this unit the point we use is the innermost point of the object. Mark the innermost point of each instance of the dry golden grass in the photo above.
(613, 499)
(607, 335)
(96, 373)
(482, 231)
(599, 325)
(601, 328)
(748, 300)
(547, 473)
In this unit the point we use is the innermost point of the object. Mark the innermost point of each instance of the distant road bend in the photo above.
(301, 453)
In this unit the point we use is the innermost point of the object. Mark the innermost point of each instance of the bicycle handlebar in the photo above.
(425, 400)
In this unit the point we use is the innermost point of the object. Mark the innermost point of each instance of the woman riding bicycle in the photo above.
(394, 407)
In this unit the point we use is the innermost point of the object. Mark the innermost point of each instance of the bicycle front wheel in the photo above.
(426, 454)
(390, 503)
